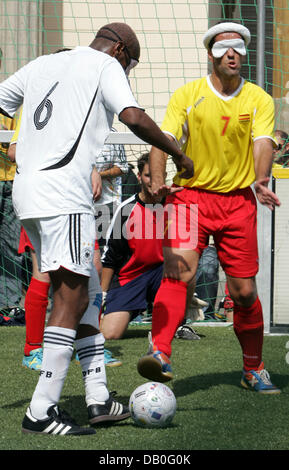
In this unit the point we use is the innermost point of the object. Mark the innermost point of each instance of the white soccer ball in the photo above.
(152, 404)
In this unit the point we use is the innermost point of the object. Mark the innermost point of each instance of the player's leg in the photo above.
(238, 253)
(101, 406)
(183, 241)
(70, 300)
(114, 324)
(249, 329)
(36, 301)
(52, 238)
(125, 302)
(180, 267)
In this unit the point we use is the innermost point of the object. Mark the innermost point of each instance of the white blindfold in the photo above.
(221, 47)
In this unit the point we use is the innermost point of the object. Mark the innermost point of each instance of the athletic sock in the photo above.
(57, 351)
(36, 301)
(168, 313)
(249, 329)
(90, 351)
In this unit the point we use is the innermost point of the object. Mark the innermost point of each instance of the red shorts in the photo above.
(231, 218)
(24, 242)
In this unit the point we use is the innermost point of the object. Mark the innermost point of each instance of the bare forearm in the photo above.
(112, 172)
(106, 277)
(157, 161)
(11, 153)
(146, 129)
(263, 158)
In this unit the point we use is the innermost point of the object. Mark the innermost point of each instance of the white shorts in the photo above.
(63, 241)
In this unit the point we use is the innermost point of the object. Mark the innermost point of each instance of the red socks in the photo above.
(249, 329)
(35, 305)
(168, 313)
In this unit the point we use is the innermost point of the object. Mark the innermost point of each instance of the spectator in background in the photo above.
(207, 280)
(129, 183)
(111, 165)
(10, 259)
(133, 261)
(281, 153)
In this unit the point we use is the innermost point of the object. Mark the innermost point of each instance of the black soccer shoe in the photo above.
(109, 411)
(186, 332)
(58, 423)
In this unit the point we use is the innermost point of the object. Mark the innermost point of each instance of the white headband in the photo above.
(226, 28)
(220, 47)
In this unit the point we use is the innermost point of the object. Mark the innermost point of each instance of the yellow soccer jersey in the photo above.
(218, 132)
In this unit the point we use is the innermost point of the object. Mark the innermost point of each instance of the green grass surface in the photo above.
(213, 411)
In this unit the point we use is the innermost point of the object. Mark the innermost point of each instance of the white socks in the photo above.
(90, 351)
(57, 351)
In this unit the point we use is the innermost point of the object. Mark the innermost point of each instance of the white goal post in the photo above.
(113, 138)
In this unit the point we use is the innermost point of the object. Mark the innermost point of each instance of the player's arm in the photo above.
(112, 172)
(11, 152)
(12, 91)
(157, 163)
(106, 277)
(263, 151)
(118, 97)
(146, 129)
(96, 184)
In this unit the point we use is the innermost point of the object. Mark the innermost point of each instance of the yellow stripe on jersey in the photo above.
(217, 132)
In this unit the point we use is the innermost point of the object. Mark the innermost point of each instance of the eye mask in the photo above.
(220, 48)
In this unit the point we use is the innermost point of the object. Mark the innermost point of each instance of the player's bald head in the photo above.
(121, 32)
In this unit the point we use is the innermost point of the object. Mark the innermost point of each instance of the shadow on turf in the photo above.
(197, 383)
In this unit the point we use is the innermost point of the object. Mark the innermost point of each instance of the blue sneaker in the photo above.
(259, 381)
(109, 360)
(155, 365)
(34, 360)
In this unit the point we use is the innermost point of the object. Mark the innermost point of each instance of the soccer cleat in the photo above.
(155, 365)
(259, 381)
(34, 360)
(58, 423)
(108, 411)
(109, 360)
(186, 332)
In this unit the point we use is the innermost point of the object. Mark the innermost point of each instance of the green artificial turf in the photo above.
(213, 411)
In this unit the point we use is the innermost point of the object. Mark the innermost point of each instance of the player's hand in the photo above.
(160, 191)
(96, 182)
(264, 195)
(186, 163)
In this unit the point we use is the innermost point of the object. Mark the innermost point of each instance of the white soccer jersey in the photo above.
(69, 101)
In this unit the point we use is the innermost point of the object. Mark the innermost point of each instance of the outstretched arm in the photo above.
(146, 129)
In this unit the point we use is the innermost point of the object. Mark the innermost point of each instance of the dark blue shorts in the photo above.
(134, 296)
